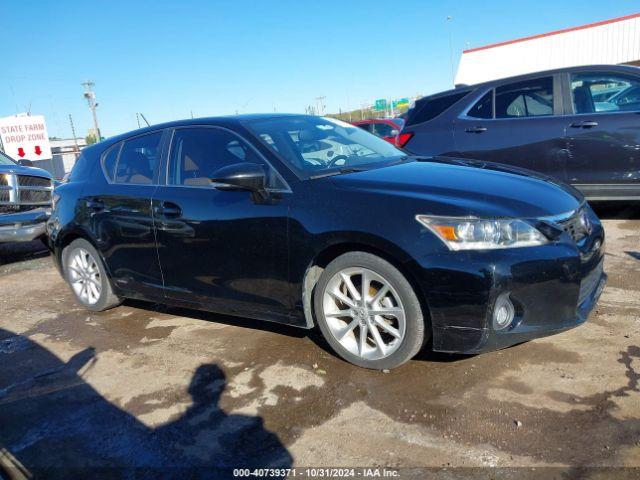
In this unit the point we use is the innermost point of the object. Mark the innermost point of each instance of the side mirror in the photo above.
(240, 176)
(394, 133)
(25, 163)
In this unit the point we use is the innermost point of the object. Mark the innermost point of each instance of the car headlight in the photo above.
(482, 234)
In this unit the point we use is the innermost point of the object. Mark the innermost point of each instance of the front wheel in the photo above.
(87, 277)
(368, 311)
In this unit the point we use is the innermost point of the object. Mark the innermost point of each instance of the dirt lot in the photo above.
(144, 385)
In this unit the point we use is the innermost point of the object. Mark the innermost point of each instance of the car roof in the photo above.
(499, 81)
(228, 120)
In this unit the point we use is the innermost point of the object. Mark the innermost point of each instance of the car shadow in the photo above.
(616, 210)
(19, 252)
(56, 425)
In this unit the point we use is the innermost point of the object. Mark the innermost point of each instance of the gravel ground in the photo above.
(144, 385)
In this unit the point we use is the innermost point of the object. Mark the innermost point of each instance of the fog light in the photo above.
(503, 312)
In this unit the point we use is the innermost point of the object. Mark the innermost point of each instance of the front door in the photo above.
(516, 124)
(224, 250)
(603, 134)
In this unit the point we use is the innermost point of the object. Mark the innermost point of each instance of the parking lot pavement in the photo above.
(146, 385)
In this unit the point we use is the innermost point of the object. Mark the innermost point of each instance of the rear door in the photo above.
(517, 123)
(118, 213)
(603, 133)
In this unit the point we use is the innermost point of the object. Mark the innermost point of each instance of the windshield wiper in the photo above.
(337, 172)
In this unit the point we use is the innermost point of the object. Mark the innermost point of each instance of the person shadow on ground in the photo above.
(56, 425)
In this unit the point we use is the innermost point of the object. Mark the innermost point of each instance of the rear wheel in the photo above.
(368, 311)
(87, 277)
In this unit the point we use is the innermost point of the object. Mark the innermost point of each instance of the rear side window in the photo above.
(383, 129)
(139, 159)
(109, 159)
(429, 109)
(365, 126)
(483, 107)
(531, 98)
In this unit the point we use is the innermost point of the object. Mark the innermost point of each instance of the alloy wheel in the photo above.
(364, 313)
(84, 276)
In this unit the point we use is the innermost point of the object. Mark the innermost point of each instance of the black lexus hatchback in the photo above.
(310, 221)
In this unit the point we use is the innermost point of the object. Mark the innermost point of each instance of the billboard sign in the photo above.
(25, 137)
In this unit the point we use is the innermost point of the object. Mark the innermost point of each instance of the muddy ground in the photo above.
(149, 386)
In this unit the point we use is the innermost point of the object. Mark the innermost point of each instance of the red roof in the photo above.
(555, 32)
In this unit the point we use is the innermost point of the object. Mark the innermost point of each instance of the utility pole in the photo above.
(91, 100)
(449, 18)
(75, 140)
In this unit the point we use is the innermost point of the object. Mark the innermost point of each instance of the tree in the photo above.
(90, 138)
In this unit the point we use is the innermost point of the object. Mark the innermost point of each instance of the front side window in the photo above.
(198, 153)
(604, 92)
(139, 159)
(483, 108)
(530, 98)
(315, 145)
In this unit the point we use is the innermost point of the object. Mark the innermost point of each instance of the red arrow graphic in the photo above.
(21, 152)
(38, 151)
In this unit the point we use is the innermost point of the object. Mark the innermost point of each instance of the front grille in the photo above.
(24, 191)
(576, 225)
(29, 181)
(589, 283)
(16, 208)
(35, 197)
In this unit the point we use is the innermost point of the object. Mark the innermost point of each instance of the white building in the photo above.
(65, 152)
(615, 41)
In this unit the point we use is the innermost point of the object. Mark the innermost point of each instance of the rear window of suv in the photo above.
(428, 109)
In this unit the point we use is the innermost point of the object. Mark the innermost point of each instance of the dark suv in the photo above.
(248, 216)
(580, 125)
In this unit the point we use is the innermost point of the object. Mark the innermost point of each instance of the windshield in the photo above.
(314, 146)
(4, 160)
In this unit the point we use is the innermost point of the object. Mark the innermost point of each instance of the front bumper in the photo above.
(23, 226)
(553, 287)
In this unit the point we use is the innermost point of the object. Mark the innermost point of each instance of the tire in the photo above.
(98, 295)
(342, 316)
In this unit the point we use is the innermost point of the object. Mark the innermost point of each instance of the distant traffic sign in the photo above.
(380, 104)
(25, 137)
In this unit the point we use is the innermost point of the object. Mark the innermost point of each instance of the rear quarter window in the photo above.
(109, 159)
(429, 109)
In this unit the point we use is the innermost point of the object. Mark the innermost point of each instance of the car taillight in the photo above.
(403, 138)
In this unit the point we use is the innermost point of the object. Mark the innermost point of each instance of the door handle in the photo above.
(168, 210)
(476, 129)
(586, 124)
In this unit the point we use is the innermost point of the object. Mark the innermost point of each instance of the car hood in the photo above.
(21, 170)
(459, 187)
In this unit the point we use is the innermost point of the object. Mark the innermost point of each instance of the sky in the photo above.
(171, 60)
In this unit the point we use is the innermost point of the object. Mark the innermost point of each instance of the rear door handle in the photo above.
(586, 124)
(167, 210)
(476, 129)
